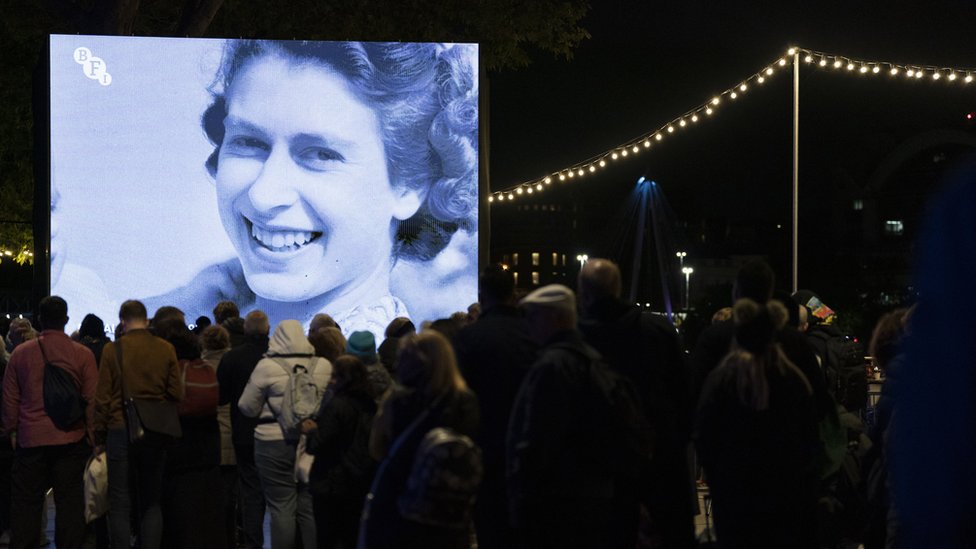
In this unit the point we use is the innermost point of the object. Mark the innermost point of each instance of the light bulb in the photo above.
(823, 62)
(952, 76)
(694, 118)
(613, 156)
(715, 100)
(918, 74)
(519, 190)
(682, 123)
(936, 76)
(538, 187)
(548, 180)
(491, 199)
(658, 136)
(808, 59)
(743, 87)
(603, 163)
(850, 66)
(647, 143)
(510, 197)
(623, 152)
(893, 71)
(571, 174)
(781, 62)
(769, 71)
(876, 69)
(580, 173)
(910, 73)
(562, 177)
(761, 79)
(863, 69)
(529, 190)
(837, 64)
(733, 95)
(791, 51)
(592, 168)
(708, 110)
(635, 149)
(968, 79)
(670, 129)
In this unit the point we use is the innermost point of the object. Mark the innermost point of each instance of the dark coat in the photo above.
(233, 372)
(383, 525)
(343, 468)
(494, 354)
(550, 453)
(646, 350)
(761, 465)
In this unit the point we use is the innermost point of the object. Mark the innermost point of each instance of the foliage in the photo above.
(510, 31)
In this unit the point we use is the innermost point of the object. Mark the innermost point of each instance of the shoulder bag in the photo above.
(144, 415)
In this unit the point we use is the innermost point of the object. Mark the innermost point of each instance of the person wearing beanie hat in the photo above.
(362, 345)
(550, 310)
(560, 483)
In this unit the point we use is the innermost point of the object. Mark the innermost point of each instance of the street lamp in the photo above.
(681, 259)
(582, 258)
(687, 271)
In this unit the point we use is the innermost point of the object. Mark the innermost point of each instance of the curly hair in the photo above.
(426, 98)
(215, 338)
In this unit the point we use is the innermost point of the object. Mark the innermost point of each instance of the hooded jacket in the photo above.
(265, 389)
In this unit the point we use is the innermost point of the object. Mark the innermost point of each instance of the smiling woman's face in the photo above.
(302, 182)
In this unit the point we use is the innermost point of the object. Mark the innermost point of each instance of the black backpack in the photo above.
(63, 402)
(843, 364)
(621, 429)
(443, 481)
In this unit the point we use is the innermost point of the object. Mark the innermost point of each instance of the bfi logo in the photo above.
(93, 67)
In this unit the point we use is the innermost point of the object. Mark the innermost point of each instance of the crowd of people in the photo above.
(561, 419)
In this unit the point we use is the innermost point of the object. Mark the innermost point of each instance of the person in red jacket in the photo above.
(47, 456)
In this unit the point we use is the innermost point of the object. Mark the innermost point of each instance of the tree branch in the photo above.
(197, 16)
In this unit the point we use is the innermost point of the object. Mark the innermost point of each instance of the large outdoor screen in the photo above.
(294, 177)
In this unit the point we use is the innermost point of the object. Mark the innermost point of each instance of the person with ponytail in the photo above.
(757, 439)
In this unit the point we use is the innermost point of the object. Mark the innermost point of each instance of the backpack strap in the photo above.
(43, 354)
(281, 361)
(421, 417)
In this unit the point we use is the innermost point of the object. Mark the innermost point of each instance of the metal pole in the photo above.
(796, 166)
(687, 284)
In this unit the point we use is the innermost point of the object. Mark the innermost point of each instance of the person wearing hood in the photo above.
(93, 336)
(290, 503)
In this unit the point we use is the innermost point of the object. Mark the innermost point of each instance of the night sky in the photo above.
(647, 62)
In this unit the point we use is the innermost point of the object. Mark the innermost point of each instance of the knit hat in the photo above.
(362, 345)
(553, 295)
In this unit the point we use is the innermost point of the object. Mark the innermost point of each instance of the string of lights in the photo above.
(702, 112)
(16, 256)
